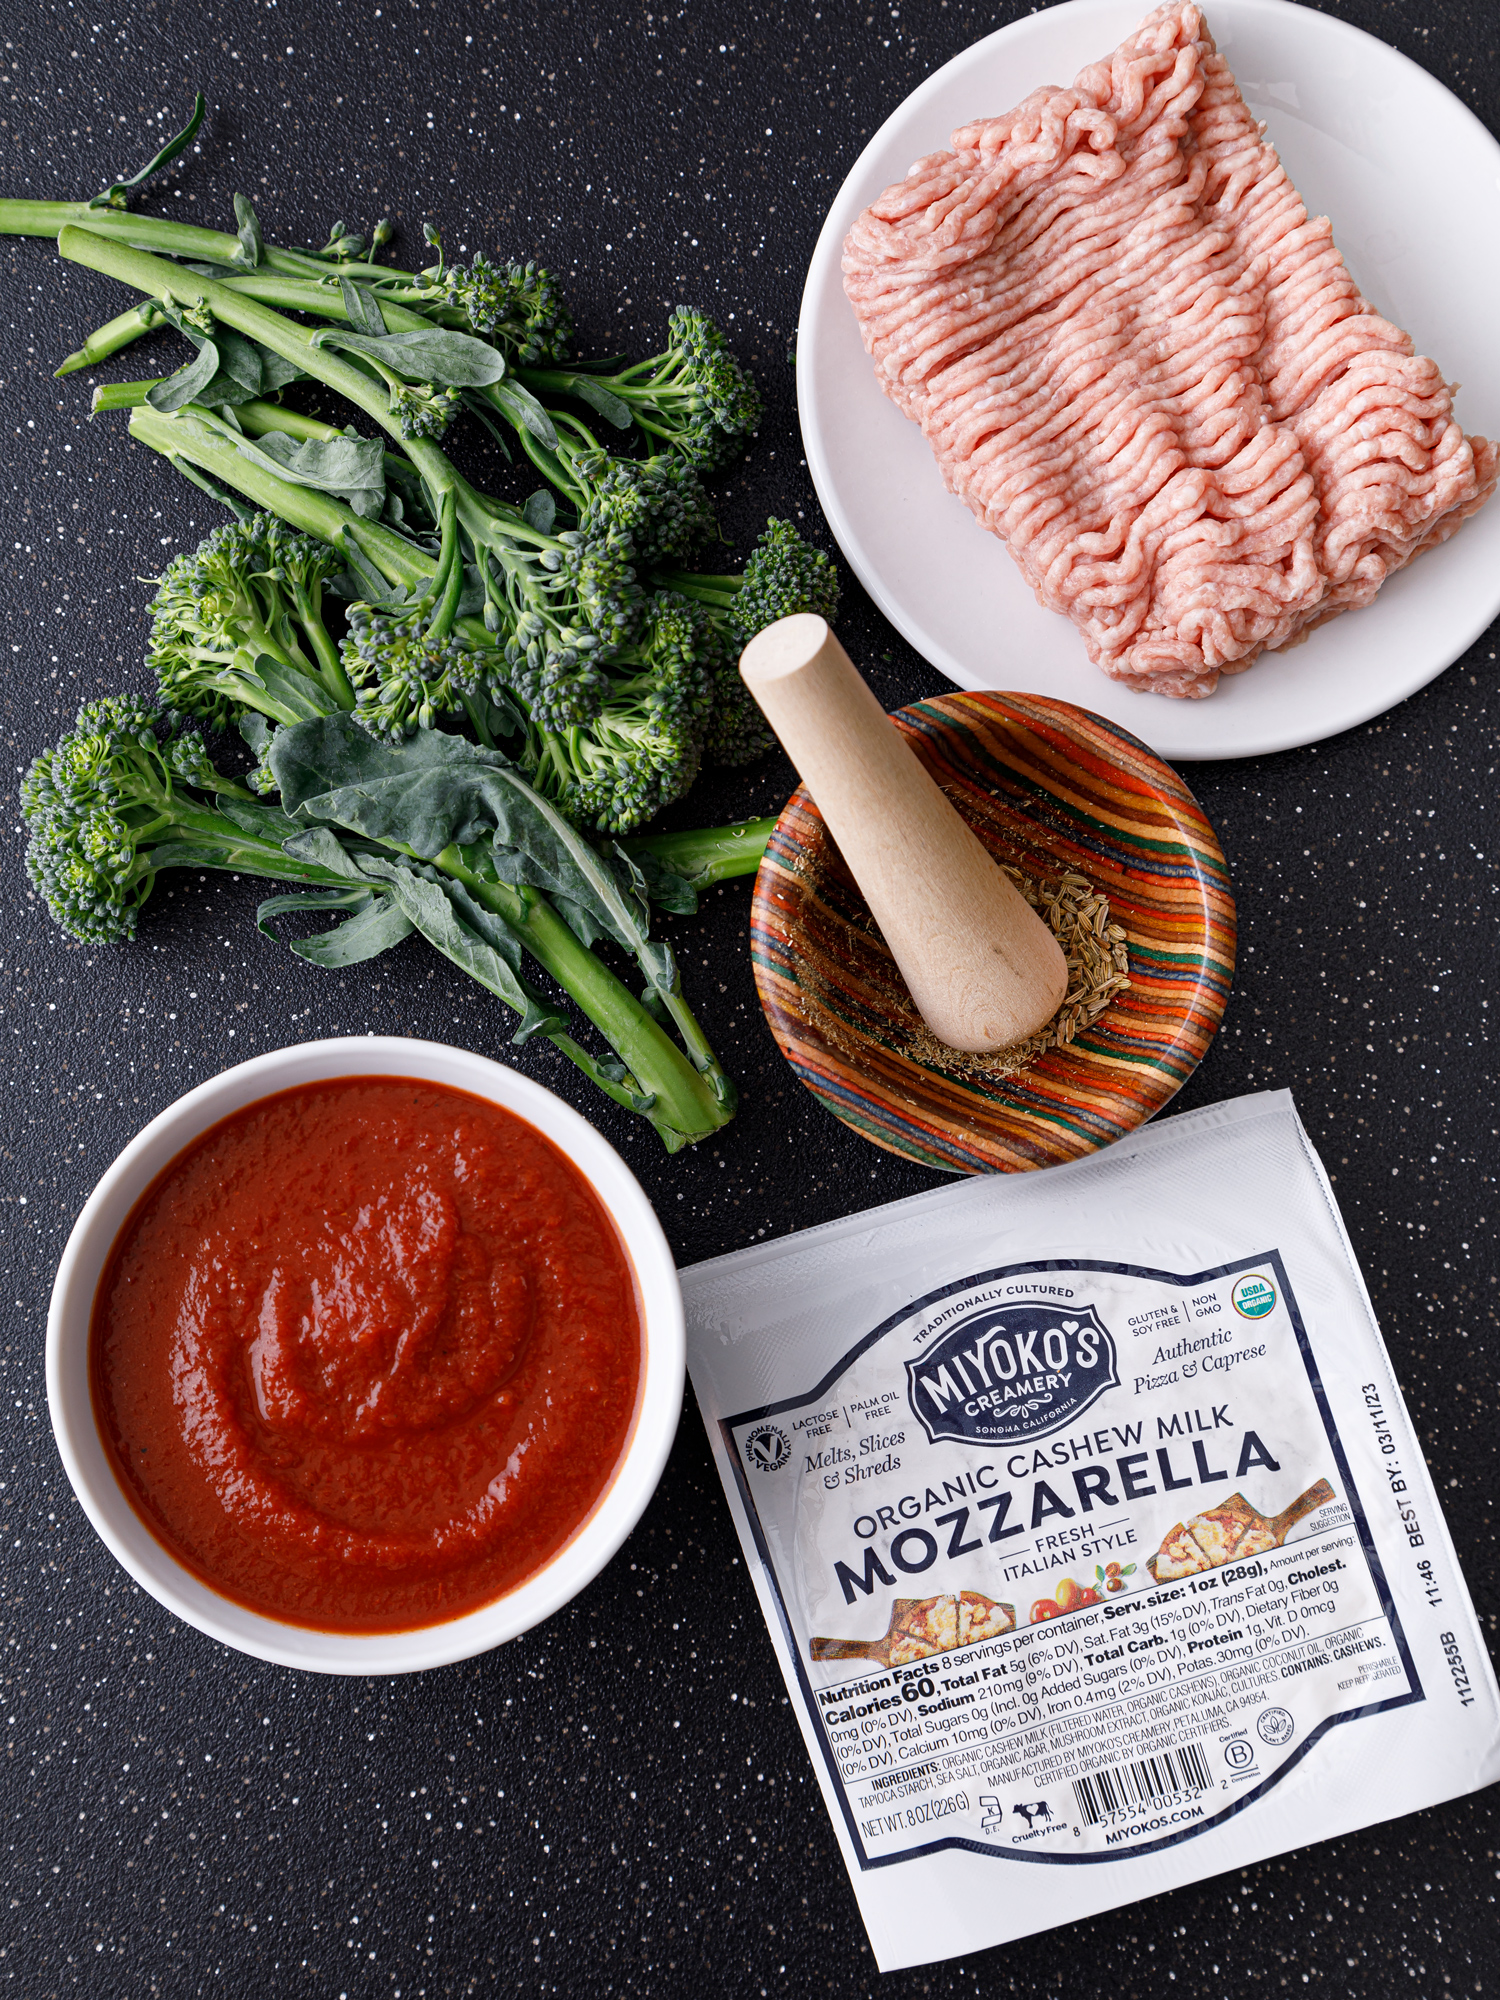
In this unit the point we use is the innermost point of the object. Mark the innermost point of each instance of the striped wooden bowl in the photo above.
(1050, 789)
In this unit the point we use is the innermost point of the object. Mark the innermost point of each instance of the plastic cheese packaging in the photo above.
(1094, 1540)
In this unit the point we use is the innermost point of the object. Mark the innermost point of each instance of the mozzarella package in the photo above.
(1092, 1534)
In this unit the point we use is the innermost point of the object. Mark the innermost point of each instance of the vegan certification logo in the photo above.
(768, 1448)
(1275, 1726)
(1013, 1371)
(1253, 1297)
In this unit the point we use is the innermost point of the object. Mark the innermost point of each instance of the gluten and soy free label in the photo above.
(1070, 1560)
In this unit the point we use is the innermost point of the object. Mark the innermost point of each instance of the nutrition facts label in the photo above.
(1074, 1564)
(1103, 1731)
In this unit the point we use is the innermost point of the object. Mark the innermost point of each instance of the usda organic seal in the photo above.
(1253, 1296)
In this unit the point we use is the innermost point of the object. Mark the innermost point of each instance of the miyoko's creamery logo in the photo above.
(1010, 1372)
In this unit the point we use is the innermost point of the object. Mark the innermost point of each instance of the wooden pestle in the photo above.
(982, 967)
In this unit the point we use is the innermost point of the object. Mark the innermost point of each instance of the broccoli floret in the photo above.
(238, 623)
(102, 804)
(784, 575)
(423, 411)
(695, 397)
(597, 570)
(561, 606)
(656, 505)
(519, 307)
(642, 748)
(403, 678)
(556, 605)
(737, 733)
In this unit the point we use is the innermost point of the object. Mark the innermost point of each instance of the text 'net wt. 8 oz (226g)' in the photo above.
(1092, 1534)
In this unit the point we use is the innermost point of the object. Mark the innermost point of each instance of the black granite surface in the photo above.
(620, 1803)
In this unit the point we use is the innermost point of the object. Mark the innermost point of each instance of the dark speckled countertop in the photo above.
(620, 1803)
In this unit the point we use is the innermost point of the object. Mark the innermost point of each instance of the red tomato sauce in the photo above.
(366, 1354)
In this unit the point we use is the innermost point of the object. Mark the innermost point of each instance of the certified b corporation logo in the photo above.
(768, 1448)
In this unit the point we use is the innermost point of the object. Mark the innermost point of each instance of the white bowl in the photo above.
(614, 1514)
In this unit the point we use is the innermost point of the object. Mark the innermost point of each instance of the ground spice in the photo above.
(1098, 969)
(850, 990)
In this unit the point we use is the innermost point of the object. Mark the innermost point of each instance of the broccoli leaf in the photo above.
(241, 369)
(362, 307)
(433, 791)
(265, 823)
(362, 579)
(352, 469)
(523, 408)
(448, 360)
(477, 942)
(541, 511)
(377, 923)
(255, 730)
(239, 360)
(598, 397)
(276, 371)
(188, 383)
(324, 850)
(297, 693)
(114, 196)
(252, 243)
(666, 888)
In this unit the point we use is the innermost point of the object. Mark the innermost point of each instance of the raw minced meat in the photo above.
(1144, 367)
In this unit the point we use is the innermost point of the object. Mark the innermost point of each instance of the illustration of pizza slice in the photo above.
(1227, 1532)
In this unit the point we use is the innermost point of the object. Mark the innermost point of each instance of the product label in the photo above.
(1070, 1560)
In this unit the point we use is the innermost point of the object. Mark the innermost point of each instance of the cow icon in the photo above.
(1032, 1813)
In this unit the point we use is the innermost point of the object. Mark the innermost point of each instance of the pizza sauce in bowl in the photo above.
(366, 1354)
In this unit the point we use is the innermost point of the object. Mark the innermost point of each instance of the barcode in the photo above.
(1126, 1787)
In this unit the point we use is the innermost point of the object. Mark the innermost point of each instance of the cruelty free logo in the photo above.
(1010, 1372)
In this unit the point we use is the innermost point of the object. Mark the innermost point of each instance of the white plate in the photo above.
(1411, 180)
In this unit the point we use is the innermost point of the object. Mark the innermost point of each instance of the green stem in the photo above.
(155, 277)
(307, 295)
(283, 336)
(256, 418)
(330, 665)
(684, 1101)
(181, 436)
(700, 1051)
(717, 591)
(707, 855)
(113, 335)
(176, 239)
(241, 854)
(450, 574)
(121, 395)
(183, 239)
